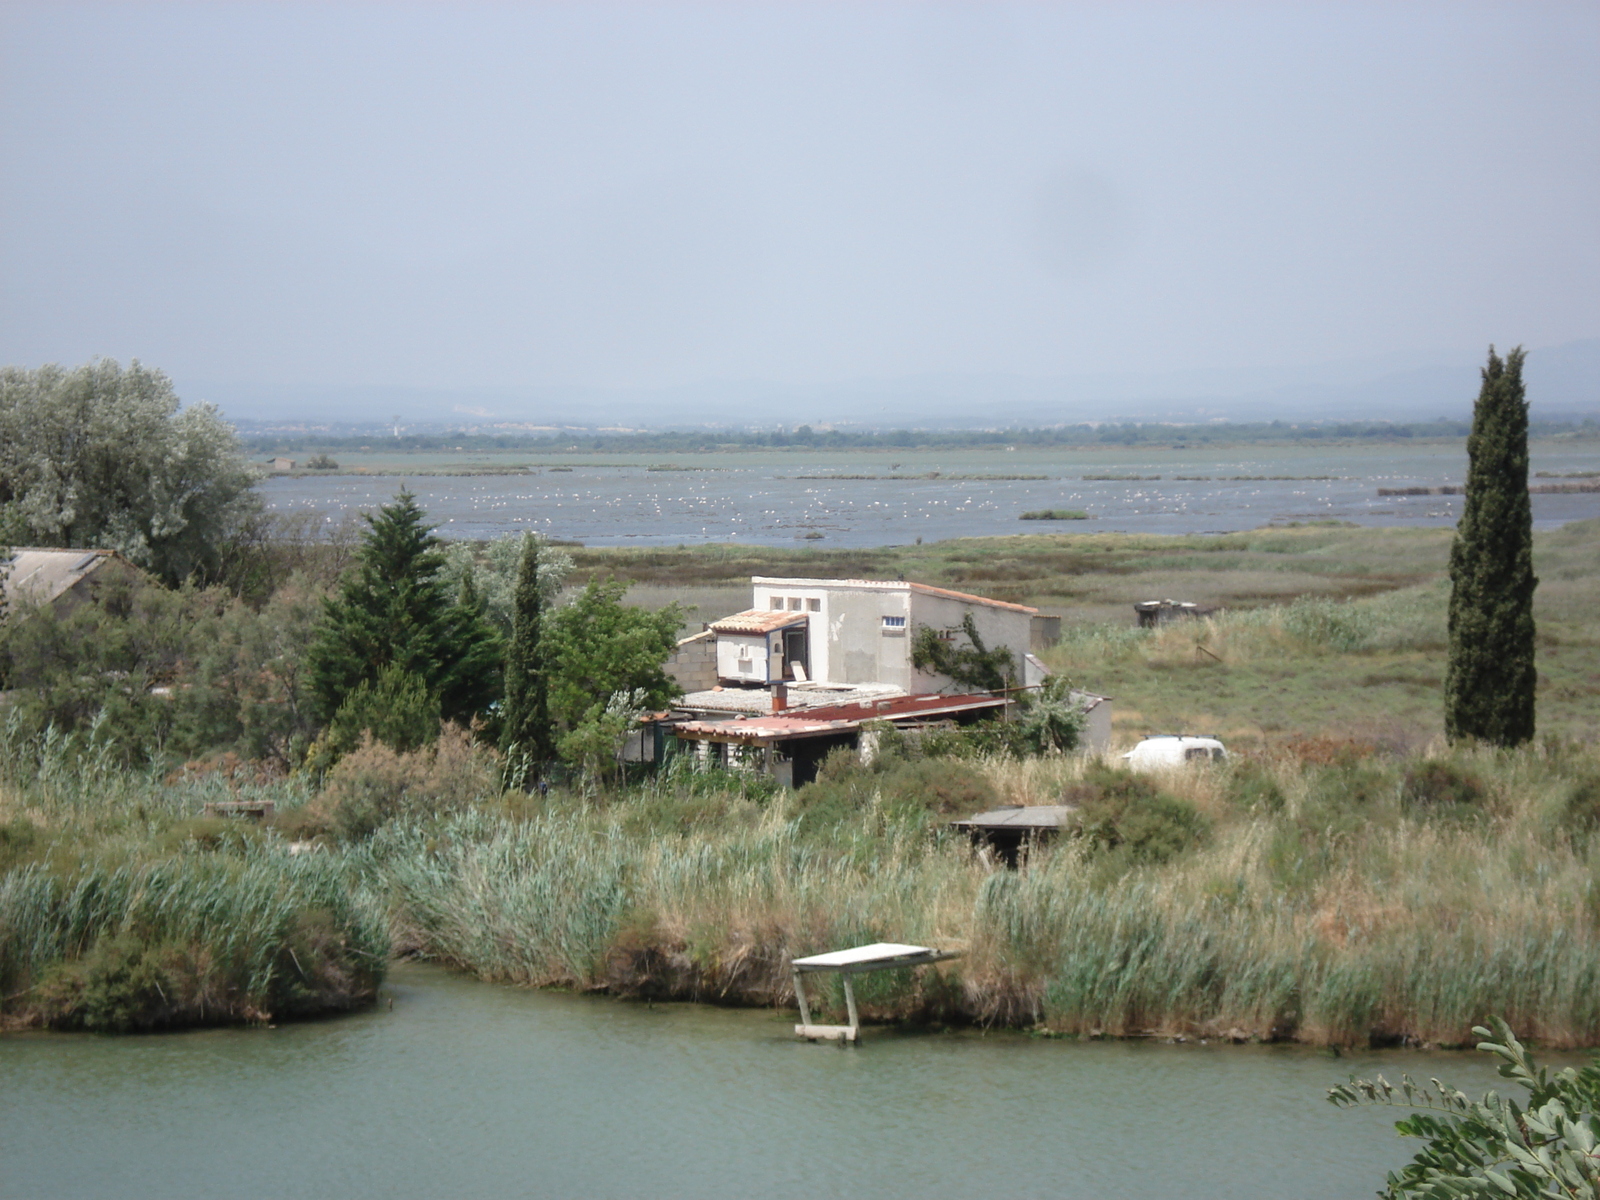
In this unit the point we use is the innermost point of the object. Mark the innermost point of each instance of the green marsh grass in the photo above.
(1306, 915)
(121, 907)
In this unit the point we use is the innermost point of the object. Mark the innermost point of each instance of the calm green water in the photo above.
(469, 1090)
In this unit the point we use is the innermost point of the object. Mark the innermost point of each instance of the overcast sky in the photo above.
(580, 193)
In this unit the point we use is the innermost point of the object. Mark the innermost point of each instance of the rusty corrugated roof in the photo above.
(835, 718)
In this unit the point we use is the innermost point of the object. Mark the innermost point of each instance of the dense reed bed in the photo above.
(120, 909)
(1353, 901)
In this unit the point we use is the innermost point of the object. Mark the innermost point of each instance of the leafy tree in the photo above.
(101, 456)
(599, 649)
(393, 609)
(1489, 682)
(526, 715)
(1547, 1147)
(97, 665)
(1050, 720)
(972, 666)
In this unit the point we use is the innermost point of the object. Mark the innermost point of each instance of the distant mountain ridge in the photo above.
(1562, 380)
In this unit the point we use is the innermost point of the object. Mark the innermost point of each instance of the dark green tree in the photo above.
(525, 721)
(392, 609)
(1489, 681)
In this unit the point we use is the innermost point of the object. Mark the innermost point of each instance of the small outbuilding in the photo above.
(1012, 831)
(1150, 613)
(39, 575)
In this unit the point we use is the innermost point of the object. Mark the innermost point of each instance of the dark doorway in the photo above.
(796, 649)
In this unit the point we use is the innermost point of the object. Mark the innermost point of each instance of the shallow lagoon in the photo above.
(472, 1090)
(776, 499)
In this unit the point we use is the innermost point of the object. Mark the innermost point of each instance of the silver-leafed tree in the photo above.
(1489, 682)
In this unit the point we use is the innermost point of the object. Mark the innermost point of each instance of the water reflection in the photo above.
(470, 1090)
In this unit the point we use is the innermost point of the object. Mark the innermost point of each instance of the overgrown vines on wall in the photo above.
(972, 665)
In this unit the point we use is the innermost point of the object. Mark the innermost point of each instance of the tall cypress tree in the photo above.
(527, 706)
(1489, 682)
(394, 610)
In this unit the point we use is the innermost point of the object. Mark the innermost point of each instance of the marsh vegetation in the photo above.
(1344, 879)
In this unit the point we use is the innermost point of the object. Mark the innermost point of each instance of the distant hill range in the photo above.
(1563, 381)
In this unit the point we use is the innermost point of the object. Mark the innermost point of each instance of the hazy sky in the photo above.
(582, 193)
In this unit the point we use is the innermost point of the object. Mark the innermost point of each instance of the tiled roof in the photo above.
(758, 620)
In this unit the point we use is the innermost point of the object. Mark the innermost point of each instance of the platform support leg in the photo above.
(850, 1007)
(800, 995)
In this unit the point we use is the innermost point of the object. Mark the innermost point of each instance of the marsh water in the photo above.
(880, 498)
(464, 1089)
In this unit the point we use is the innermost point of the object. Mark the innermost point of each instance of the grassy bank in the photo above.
(1289, 658)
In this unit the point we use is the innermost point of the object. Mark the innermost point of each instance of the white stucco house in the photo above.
(813, 659)
(855, 632)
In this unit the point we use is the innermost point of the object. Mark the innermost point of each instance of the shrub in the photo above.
(1123, 812)
(1580, 810)
(398, 711)
(908, 788)
(942, 788)
(375, 783)
(1252, 787)
(1493, 1146)
(1435, 786)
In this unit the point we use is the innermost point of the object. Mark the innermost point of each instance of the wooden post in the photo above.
(850, 1007)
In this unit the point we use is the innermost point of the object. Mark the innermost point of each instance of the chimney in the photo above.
(780, 696)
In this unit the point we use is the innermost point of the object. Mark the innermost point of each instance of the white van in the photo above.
(1162, 750)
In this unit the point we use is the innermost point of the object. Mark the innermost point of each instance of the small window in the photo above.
(894, 622)
(814, 605)
(777, 602)
(794, 603)
(1193, 753)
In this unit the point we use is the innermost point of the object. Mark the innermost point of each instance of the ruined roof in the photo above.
(900, 707)
(892, 585)
(834, 718)
(760, 729)
(758, 620)
(38, 575)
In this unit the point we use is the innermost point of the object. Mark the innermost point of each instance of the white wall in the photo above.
(746, 657)
(852, 643)
(996, 627)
